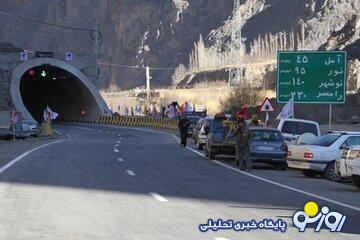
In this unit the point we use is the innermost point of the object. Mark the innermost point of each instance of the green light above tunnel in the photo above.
(43, 73)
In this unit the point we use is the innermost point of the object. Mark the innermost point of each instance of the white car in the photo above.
(292, 128)
(319, 156)
(348, 166)
(200, 138)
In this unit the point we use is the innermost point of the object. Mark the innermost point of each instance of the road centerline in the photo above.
(158, 197)
(130, 173)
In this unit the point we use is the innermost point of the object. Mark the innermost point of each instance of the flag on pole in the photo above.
(288, 110)
(14, 116)
(49, 114)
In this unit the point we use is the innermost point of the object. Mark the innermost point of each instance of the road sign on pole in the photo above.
(69, 56)
(311, 77)
(266, 106)
(24, 56)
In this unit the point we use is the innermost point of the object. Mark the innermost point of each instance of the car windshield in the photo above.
(28, 122)
(193, 120)
(325, 140)
(266, 135)
(299, 128)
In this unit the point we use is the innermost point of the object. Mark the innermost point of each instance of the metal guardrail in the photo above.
(134, 121)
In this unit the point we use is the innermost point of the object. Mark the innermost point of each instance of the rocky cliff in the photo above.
(162, 33)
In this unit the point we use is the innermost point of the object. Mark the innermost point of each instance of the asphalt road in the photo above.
(103, 182)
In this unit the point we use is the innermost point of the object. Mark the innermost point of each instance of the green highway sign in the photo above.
(311, 77)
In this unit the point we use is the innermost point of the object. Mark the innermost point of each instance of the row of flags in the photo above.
(48, 115)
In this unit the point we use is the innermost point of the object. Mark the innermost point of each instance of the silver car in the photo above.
(32, 127)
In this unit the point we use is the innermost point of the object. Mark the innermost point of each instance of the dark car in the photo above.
(268, 146)
(219, 138)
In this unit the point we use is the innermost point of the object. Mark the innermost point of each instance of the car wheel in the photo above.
(283, 166)
(206, 152)
(200, 146)
(211, 154)
(356, 180)
(309, 173)
(330, 173)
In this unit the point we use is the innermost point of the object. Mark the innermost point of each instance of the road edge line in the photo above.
(248, 174)
(18, 158)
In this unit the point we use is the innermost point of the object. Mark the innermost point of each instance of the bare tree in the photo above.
(240, 95)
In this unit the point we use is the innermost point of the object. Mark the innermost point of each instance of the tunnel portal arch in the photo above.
(98, 108)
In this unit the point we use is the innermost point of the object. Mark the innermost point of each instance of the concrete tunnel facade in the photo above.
(64, 88)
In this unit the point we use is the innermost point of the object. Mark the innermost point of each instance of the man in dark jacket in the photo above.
(183, 128)
(243, 140)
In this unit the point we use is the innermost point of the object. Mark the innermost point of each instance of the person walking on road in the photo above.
(183, 128)
(243, 139)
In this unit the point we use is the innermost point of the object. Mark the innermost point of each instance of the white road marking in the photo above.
(289, 188)
(220, 238)
(116, 145)
(58, 132)
(12, 162)
(120, 159)
(276, 183)
(158, 197)
(116, 150)
(251, 175)
(118, 141)
(131, 173)
(69, 136)
(119, 135)
(197, 152)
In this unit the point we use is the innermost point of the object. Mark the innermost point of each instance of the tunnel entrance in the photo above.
(57, 88)
(43, 82)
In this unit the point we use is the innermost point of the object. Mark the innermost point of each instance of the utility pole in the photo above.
(148, 91)
(236, 75)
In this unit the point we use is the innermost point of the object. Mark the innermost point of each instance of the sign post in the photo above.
(267, 107)
(312, 77)
(330, 116)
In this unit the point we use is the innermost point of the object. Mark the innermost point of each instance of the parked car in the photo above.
(200, 133)
(32, 127)
(193, 119)
(292, 128)
(348, 166)
(219, 138)
(196, 129)
(319, 156)
(268, 146)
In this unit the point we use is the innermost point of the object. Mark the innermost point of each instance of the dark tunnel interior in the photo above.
(57, 88)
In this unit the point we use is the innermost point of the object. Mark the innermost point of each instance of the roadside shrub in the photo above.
(240, 95)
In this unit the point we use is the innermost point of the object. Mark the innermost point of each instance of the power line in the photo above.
(135, 67)
(92, 31)
(47, 23)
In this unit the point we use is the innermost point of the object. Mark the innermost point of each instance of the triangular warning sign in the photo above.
(266, 106)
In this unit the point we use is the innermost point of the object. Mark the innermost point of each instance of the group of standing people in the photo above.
(242, 134)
